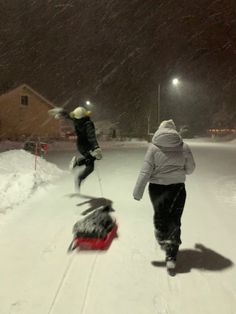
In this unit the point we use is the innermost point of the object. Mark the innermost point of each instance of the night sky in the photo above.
(115, 53)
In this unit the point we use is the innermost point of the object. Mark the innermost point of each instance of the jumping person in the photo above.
(87, 144)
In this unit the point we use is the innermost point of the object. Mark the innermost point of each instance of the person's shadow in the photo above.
(201, 258)
(95, 203)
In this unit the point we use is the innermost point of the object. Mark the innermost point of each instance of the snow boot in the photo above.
(73, 163)
(171, 255)
(170, 266)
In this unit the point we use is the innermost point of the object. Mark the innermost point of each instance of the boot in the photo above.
(170, 263)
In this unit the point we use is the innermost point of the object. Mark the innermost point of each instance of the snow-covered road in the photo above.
(38, 276)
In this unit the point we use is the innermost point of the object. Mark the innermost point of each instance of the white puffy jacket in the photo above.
(167, 161)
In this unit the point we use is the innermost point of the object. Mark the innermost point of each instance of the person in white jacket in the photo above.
(166, 163)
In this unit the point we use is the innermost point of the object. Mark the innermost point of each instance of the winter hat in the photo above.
(168, 124)
(79, 112)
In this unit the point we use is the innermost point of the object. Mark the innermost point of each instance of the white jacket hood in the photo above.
(167, 160)
(166, 135)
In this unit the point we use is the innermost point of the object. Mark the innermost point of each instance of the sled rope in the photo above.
(60, 284)
(99, 180)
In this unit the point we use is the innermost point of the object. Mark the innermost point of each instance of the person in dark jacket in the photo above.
(165, 166)
(87, 144)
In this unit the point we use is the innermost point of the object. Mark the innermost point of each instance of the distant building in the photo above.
(107, 130)
(24, 115)
(221, 131)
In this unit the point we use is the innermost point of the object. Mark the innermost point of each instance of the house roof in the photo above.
(22, 86)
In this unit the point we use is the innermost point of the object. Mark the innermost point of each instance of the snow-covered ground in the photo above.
(21, 174)
(39, 277)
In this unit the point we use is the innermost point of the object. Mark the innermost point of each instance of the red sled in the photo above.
(94, 243)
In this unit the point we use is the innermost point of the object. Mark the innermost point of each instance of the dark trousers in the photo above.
(168, 204)
(88, 162)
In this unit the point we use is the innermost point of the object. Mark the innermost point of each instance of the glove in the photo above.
(56, 112)
(97, 153)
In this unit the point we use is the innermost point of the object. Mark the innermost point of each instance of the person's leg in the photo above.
(175, 213)
(81, 161)
(89, 167)
(159, 198)
(88, 162)
(76, 161)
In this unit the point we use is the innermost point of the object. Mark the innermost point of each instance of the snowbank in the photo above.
(19, 179)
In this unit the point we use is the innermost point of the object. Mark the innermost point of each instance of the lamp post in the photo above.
(175, 82)
(159, 105)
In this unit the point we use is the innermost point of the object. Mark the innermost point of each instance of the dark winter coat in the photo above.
(86, 137)
(85, 132)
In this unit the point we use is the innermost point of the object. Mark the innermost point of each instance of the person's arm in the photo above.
(189, 160)
(144, 175)
(59, 112)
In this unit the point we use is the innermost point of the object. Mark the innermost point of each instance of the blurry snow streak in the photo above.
(115, 69)
(19, 180)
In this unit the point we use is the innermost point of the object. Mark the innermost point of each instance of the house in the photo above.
(24, 115)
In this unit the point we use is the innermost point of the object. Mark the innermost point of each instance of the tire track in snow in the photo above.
(83, 308)
(64, 276)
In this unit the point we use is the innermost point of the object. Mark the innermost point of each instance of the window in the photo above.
(24, 100)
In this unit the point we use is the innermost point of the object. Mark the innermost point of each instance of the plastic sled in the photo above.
(94, 243)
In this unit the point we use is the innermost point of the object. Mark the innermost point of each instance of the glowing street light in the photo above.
(175, 81)
(88, 103)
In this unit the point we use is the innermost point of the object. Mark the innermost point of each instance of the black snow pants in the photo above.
(88, 162)
(168, 204)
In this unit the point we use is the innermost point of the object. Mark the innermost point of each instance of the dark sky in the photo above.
(115, 53)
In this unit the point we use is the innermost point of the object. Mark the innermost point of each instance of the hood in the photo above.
(166, 137)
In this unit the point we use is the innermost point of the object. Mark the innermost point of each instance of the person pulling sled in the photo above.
(166, 163)
(86, 141)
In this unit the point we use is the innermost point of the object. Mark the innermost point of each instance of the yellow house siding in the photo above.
(32, 120)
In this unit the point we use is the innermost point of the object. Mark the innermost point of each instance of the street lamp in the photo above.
(175, 82)
(88, 103)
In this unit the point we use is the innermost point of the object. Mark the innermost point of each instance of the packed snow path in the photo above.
(38, 276)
